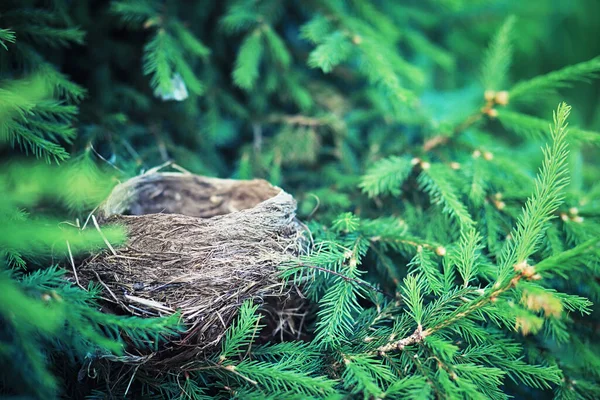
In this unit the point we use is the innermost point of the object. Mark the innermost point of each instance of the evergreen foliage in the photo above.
(454, 207)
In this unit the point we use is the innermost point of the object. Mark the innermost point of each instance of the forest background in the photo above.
(410, 133)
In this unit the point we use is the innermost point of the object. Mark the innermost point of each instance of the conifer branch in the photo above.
(386, 176)
(513, 266)
(7, 36)
(247, 64)
(433, 180)
(359, 282)
(498, 58)
(319, 98)
(540, 208)
(439, 140)
(528, 90)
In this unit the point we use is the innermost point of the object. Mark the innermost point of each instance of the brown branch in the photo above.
(435, 142)
(524, 271)
(297, 120)
(435, 247)
(492, 99)
(438, 140)
(417, 336)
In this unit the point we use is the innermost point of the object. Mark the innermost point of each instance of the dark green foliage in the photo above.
(455, 218)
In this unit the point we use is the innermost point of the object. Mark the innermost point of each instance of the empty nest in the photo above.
(198, 246)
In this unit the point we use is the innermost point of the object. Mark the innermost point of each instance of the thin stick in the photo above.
(158, 168)
(221, 319)
(148, 303)
(88, 217)
(73, 265)
(107, 288)
(440, 139)
(316, 206)
(297, 120)
(231, 368)
(105, 160)
(131, 380)
(102, 235)
(180, 168)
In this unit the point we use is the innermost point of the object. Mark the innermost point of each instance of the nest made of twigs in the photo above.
(198, 246)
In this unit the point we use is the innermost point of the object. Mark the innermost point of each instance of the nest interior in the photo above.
(196, 245)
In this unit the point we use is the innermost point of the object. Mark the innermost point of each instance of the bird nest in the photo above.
(198, 246)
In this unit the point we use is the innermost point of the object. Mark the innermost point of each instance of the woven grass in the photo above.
(198, 246)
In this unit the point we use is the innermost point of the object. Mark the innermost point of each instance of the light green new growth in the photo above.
(167, 53)
(277, 47)
(434, 181)
(414, 286)
(539, 208)
(332, 51)
(366, 375)
(278, 367)
(423, 262)
(31, 119)
(190, 42)
(316, 30)
(467, 255)
(340, 303)
(158, 61)
(248, 60)
(386, 176)
(6, 35)
(498, 58)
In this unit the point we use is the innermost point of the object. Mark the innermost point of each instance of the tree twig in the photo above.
(348, 279)
(419, 334)
(438, 140)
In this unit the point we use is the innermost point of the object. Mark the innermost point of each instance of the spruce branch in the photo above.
(427, 196)
(423, 262)
(240, 16)
(241, 334)
(470, 121)
(279, 377)
(386, 176)
(498, 58)
(466, 258)
(316, 30)
(536, 128)
(330, 53)
(55, 37)
(540, 208)
(135, 12)
(189, 41)
(158, 61)
(7, 36)
(277, 47)
(549, 83)
(247, 63)
(567, 261)
(494, 71)
(32, 119)
(366, 374)
(434, 181)
(359, 282)
(512, 265)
